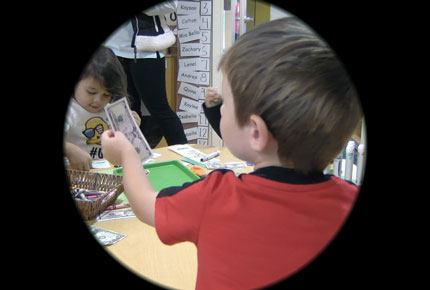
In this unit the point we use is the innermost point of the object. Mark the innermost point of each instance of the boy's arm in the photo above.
(140, 193)
(214, 117)
(139, 190)
(212, 107)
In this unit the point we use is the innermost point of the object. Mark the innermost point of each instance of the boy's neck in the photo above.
(271, 161)
(269, 156)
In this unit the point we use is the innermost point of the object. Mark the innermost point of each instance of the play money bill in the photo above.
(116, 214)
(105, 237)
(227, 165)
(121, 119)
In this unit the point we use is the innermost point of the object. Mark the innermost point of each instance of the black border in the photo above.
(64, 253)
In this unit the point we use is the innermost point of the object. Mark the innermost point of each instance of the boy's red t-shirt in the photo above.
(255, 229)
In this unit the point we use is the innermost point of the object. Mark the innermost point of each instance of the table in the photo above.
(144, 254)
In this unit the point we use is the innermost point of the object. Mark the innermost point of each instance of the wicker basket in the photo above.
(110, 183)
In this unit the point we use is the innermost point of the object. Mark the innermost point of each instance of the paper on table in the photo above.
(100, 164)
(155, 155)
(189, 152)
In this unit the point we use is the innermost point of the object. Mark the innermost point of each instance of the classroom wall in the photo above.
(222, 35)
(277, 12)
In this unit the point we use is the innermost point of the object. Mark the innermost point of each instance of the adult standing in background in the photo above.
(146, 71)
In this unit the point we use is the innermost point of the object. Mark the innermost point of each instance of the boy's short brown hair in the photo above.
(283, 72)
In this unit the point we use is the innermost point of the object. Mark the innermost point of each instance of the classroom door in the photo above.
(248, 14)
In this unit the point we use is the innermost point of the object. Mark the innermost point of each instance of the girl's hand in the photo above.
(136, 118)
(212, 98)
(114, 145)
(78, 158)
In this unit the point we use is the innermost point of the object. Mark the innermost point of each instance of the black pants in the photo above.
(146, 81)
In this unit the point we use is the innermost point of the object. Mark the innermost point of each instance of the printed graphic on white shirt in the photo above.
(94, 128)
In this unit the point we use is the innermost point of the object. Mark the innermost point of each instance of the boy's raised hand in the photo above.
(212, 98)
(114, 145)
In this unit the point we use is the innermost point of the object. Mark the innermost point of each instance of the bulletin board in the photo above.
(194, 24)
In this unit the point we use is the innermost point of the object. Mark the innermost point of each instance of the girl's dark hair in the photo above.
(105, 67)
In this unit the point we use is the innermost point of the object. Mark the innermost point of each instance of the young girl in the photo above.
(102, 81)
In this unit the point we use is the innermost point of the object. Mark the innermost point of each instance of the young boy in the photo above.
(288, 107)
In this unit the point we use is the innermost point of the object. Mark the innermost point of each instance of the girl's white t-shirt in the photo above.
(84, 129)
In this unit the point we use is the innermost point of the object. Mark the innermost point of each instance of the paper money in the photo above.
(121, 119)
(106, 237)
(116, 214)
(227, 165)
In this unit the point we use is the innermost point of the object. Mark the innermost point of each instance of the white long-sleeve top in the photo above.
(120, 40)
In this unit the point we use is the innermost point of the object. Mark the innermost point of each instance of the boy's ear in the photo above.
(260, 135)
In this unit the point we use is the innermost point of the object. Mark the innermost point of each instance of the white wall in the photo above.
(277, 12)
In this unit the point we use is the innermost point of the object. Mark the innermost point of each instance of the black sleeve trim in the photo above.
(214, 117)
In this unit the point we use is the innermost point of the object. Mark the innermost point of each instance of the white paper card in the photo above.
(189, 64)
(205, 36)
(205, 50)
(202, 93)
(189, 34)
(189, 90)
(189, 105)
(191, 133)
(202, 120)
(188, 21)
(101, 164)
(197, 78)
(201, 106)
(203, 132)
(205, 22)
(204, 64)
(188, 117)
(194, 64)
(189, 76)
(205, 8)
(191, 49)
(186, 7)
(188, 151)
